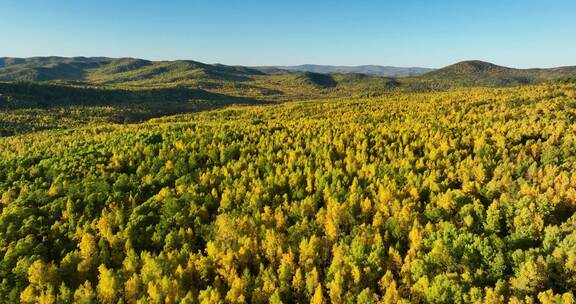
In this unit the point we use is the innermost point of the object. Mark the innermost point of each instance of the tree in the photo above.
(318, 297)
(107, 285)
(84, 294)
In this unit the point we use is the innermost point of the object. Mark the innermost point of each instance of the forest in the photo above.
(464, 195)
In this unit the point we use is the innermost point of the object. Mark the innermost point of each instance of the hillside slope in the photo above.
(110, 70)
(48, 68)
(479, 73)
(28, 107)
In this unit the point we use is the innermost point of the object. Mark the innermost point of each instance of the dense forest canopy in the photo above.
(444, 197)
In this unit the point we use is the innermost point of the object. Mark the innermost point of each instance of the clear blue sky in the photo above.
(429, 33)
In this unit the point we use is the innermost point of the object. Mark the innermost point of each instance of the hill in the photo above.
(258, 83)
(56, 92)
(373, 70)
(279, 83)
(479, 73)
(110, 70)
(48, 68)
(126, 71)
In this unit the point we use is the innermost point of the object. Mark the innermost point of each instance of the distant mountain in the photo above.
(480, 73)
(111, 70)
(373, 70)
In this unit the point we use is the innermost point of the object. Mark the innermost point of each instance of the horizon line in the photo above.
(290, 65)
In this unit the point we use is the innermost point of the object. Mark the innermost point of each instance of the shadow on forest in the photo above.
(32, 95)
(29, 107)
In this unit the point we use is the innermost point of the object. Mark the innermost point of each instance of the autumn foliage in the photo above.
(452, 197)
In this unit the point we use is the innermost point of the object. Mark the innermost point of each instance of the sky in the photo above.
(426, 33)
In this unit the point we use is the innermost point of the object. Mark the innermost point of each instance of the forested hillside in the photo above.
(478, 73)
(42, 93)
(132, 72)
(28, 107)
(448, 197)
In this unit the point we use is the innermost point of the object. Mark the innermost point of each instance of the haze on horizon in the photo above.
(521, 34)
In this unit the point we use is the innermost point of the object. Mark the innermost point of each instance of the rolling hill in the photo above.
(57, 92)
(264, 81)
(104, 70)
(480, 73)
(267, 83)
(129, 70)
(48, 68)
